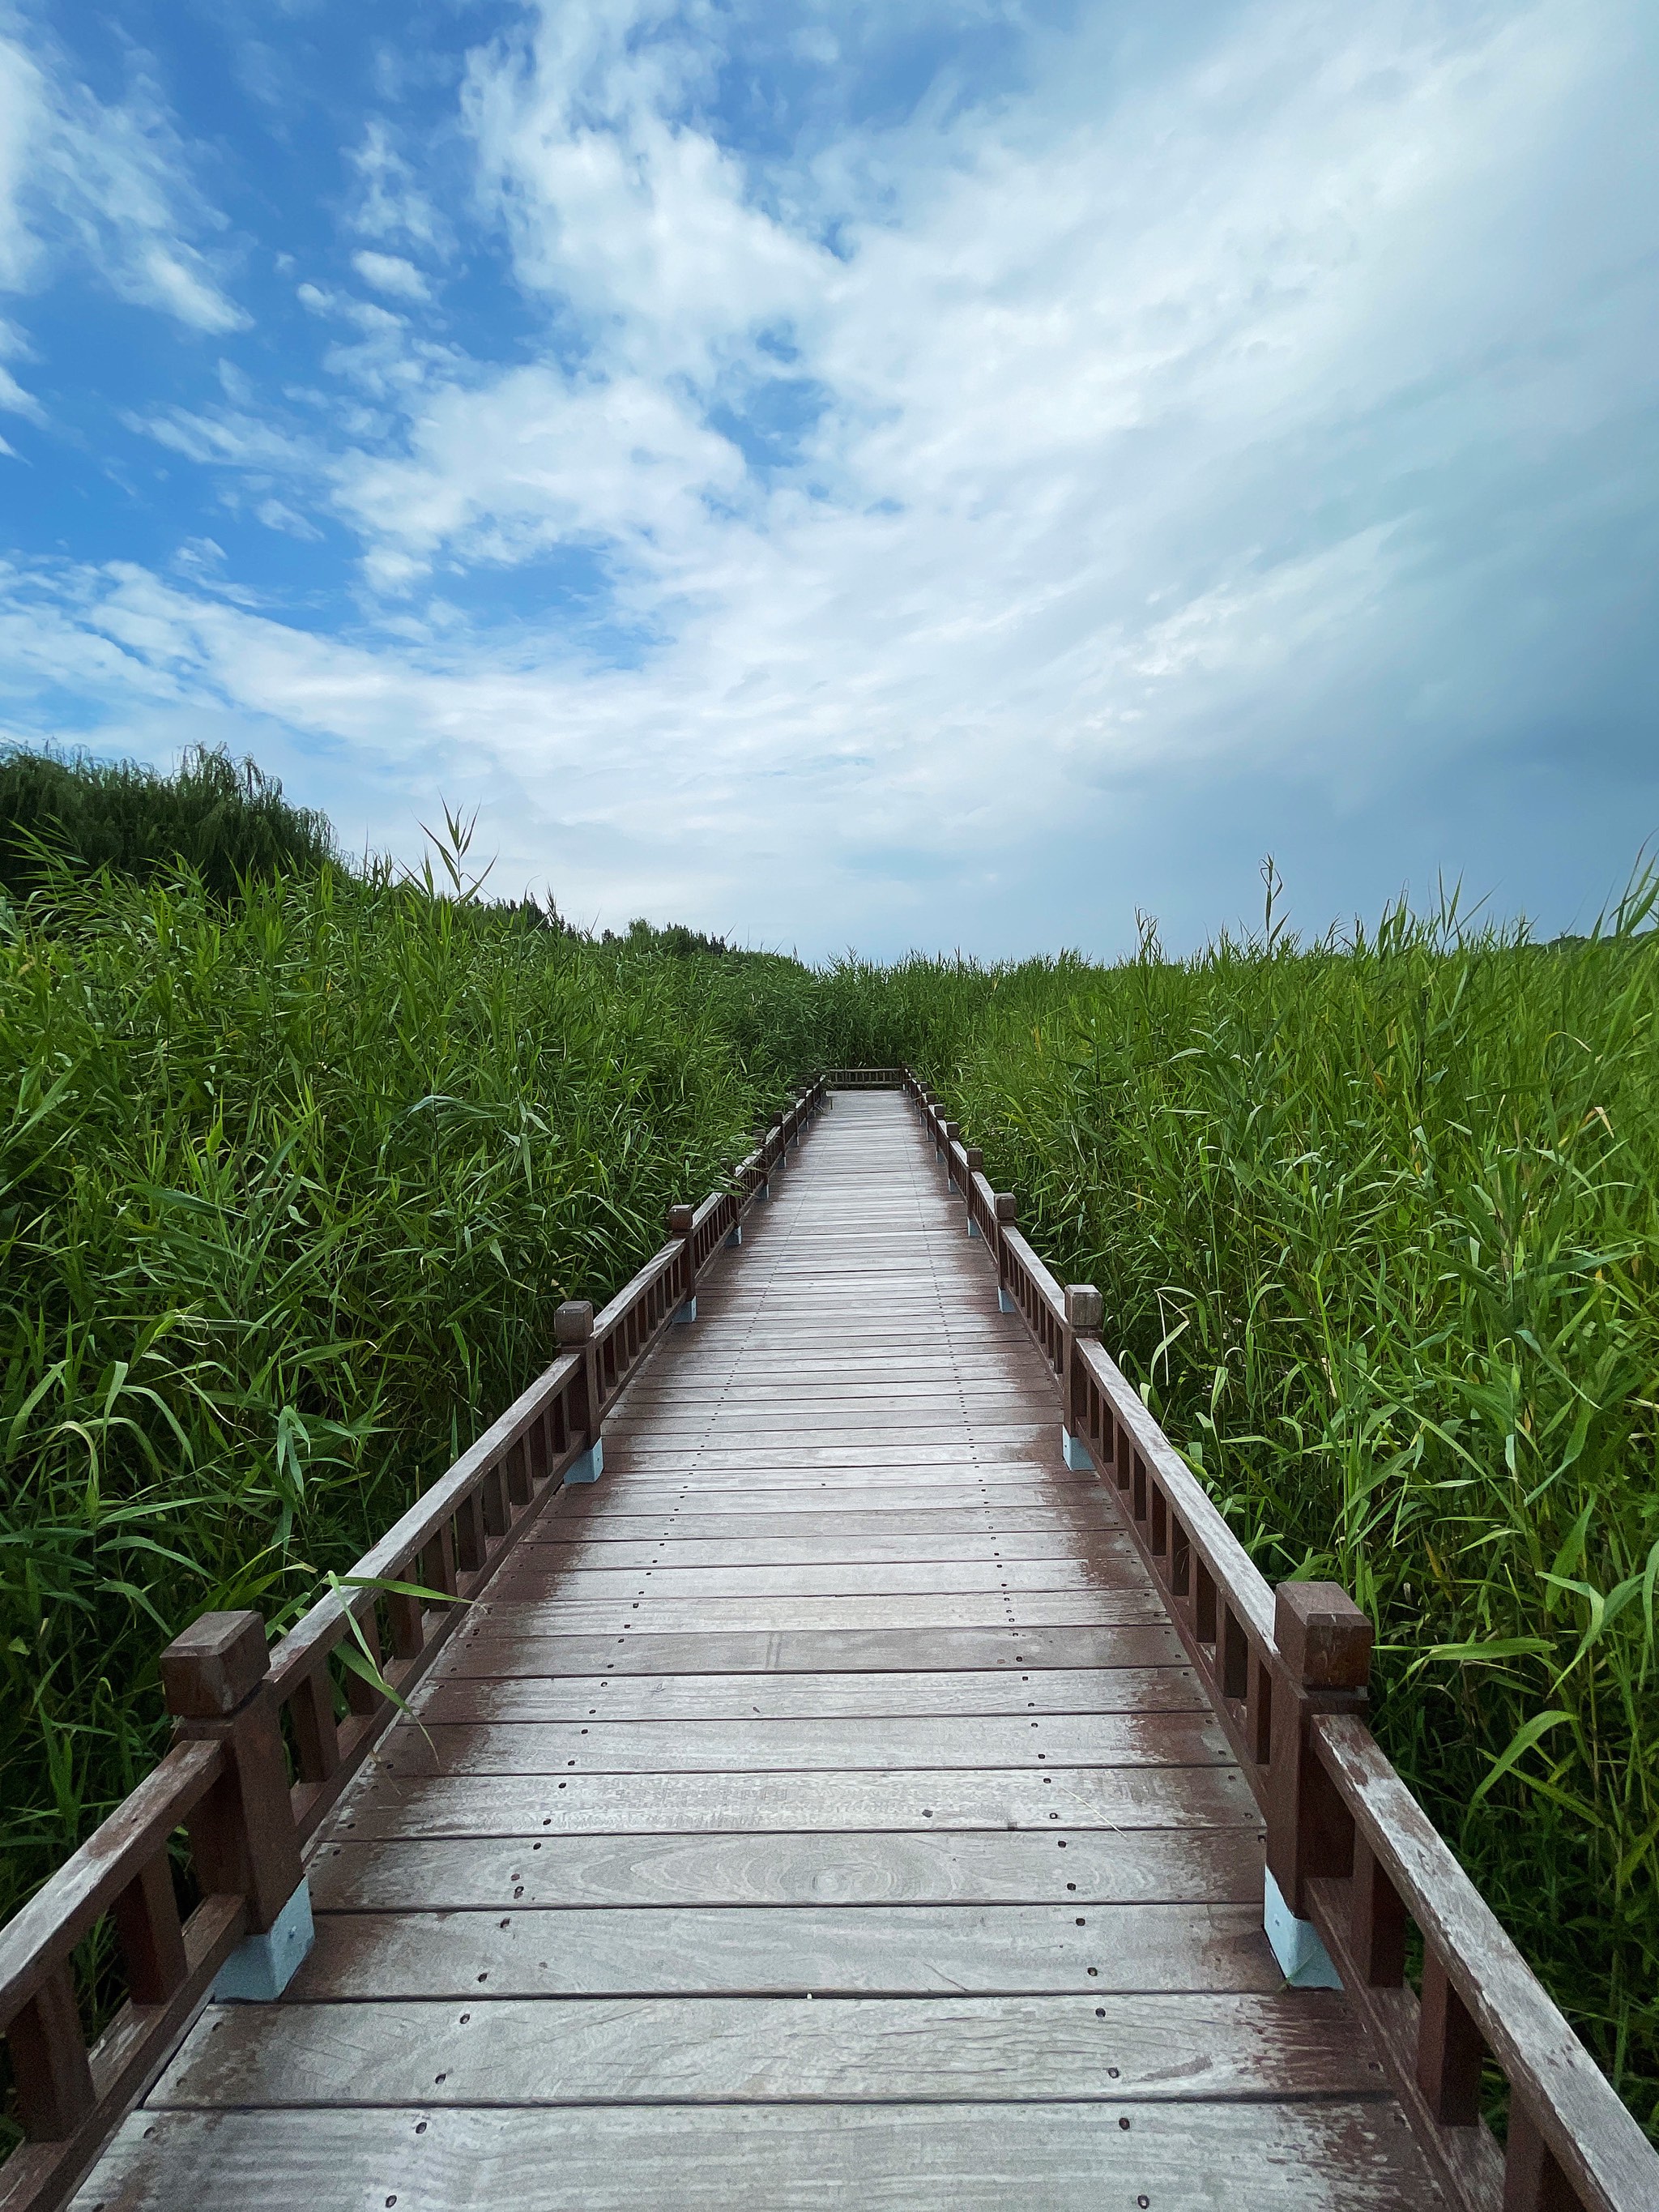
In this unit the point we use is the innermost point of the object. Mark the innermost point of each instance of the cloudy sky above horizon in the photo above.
(946, 472)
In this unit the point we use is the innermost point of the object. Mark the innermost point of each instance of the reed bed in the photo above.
(1378, 1227)
(290, 1186)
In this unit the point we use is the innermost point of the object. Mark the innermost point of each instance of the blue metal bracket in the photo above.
(261, 1966)
(588, 1466)
(1303, 1959)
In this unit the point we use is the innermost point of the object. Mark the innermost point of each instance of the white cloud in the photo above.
(109, 179)
(23, 119)
(1125, 434)
(390, 272)
(535, 460)
(392, 204)
(641, 220)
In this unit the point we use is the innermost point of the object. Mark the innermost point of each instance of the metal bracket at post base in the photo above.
(1004, 1303)
(735, 1238)
(687, 1314)
(1077, 1453)
(588, 1466)
(260, 1968)
(1303, 1959)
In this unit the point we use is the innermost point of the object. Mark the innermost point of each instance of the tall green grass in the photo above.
(290, 1189)
(1378, 1231)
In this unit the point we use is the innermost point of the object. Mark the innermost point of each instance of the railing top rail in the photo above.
(1603, 2152)
(43, 1933)
(322, 1625)
(1236, 1572)
(1039, 1276)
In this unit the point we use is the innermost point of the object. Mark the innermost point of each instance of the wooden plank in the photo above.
(726, 1490)
(1074, 1867)
(891, 1446)
(1032, 1458)
(657, 1804)
(758, 2050)
(680, 1698)
(754, 1745)
(1344, 2156)
(861, 1950)
(819, 1533)
(1101, 1570)
(677, 1616)
(812, 1651)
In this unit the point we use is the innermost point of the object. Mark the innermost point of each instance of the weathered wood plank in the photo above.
(1083, 1609)
(810, 1651)
(866, 1950)
(1346, 2155)
(667, 1547)
(655, 1804)
(511, 2050)
(752, 1745)
(546, 1577)
(679, 1697)
(1075, 1867)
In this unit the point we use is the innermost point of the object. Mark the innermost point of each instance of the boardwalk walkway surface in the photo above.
(819, 1803)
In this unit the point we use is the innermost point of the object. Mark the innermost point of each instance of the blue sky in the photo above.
(932, 473)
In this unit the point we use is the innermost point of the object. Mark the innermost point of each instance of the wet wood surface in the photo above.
(821, 1801)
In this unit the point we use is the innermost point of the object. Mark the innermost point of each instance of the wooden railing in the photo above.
(1352, 1855)
(266, 1737)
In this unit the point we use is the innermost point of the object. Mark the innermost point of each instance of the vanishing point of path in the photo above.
(818, 1806)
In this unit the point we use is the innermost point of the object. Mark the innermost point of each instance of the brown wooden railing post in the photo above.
(1323, 1642)
(1085, 1316)
(215, 1683)
(952, 1131)
(680, 1222)
(572, 1327)
(1007, 1212)
(975, 1161)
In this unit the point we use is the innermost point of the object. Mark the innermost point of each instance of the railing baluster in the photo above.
(493, 1491)
(1204, 1606)
(316, 1731)
(362, 1698)
(147, 1926)
(1448, 2049)
(49, 2062)
(1376, 1921)
(1533, 2180)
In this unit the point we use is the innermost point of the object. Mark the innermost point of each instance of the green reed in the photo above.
(1378, 1231)
(291, 1186)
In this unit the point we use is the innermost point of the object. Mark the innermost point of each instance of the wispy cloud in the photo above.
(110, 179)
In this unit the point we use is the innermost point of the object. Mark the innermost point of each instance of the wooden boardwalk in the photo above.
(820, 1802)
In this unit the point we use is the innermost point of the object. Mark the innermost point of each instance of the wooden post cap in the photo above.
(218, 1661)
(1085, 1309)
(975, 1159)
(1323, 1637)
(1007, 1206)
(679, 1220)
(953, 1130)
(574, 1321)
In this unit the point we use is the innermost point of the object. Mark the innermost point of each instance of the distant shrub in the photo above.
(225, 818)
